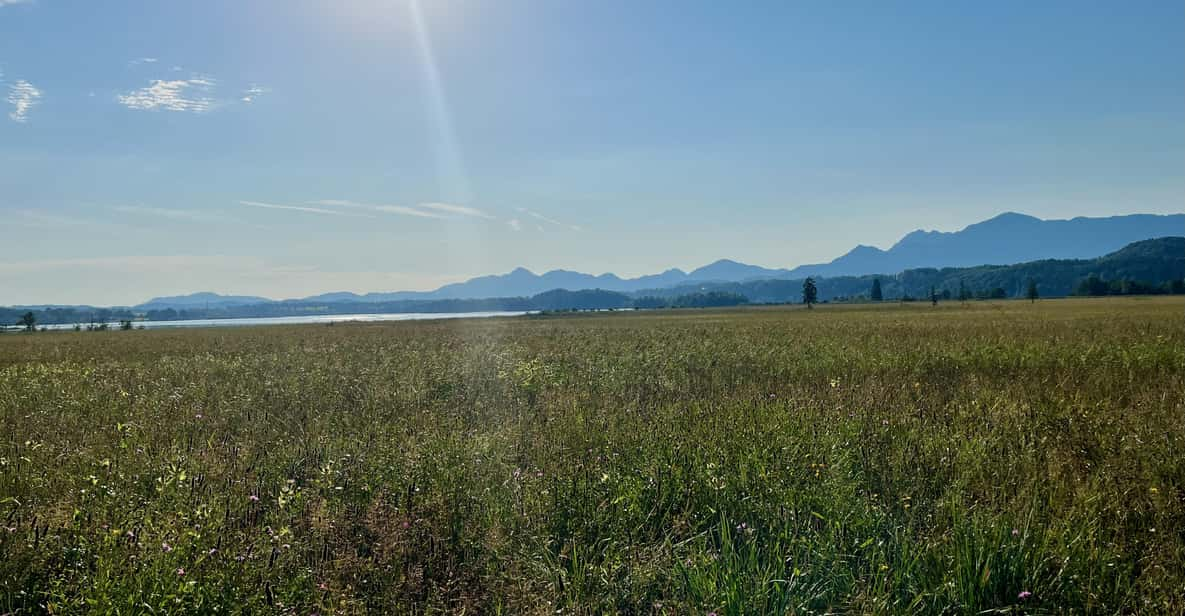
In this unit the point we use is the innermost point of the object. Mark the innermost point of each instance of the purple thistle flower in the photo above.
(1024, 594)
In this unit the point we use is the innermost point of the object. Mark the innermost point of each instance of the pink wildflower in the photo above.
(1024, 594)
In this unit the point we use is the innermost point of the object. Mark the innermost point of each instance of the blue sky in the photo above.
(290, 147)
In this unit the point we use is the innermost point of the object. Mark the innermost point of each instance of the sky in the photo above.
(291, 147)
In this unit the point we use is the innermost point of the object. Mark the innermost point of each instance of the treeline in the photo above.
(711, 299)
(548, 301)
(1150, 265)
(66, 315)
(1094, 286)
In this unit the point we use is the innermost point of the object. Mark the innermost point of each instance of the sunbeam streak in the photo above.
(452, 180)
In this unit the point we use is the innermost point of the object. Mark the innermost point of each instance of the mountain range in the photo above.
(1005, 239)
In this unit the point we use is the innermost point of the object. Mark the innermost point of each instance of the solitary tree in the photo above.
(810, 293)
(28, 321)
(1032, 292)
(933, 296)
(877, 295)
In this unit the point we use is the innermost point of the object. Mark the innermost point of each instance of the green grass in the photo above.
(858, 459)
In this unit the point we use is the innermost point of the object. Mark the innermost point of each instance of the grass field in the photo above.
(1005, 457)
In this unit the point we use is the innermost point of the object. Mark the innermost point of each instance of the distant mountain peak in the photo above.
(202, 299)
(864, 249)
(1011, 216)
(1007, 238)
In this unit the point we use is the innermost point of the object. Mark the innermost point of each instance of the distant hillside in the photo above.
(1149, 266)
(1156, 262)
(1006, 239)
(202, 299)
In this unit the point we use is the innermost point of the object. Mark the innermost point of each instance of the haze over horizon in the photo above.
(286, 149)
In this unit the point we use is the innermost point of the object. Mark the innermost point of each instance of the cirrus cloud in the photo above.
(252, 93)
(185, 95)
(297, 208)
(420, 210)
(23, 96)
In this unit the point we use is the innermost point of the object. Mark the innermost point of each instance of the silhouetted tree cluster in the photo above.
(1093, 285)
(692, 300)
(810, 293)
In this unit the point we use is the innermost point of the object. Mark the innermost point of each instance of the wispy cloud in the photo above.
(297, 208)
(4, 3)
(186, 95)
(172, 214)
(402, 210)
(515, 225)
(139, 61)
(345, 207)
(252, 93)
(550, 221)
(23, 96)
(406, 211)
(389, 209)
(460, 210)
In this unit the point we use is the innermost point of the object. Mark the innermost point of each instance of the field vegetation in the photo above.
(999, 457)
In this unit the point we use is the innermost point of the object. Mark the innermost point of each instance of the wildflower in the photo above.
(322, 586)
(198, 416)
(166, 547)
(1024, 594)
(1153, 490)
(253, 498)
(406, 524)
(180, 571)
(1015, 533)
(212, 551)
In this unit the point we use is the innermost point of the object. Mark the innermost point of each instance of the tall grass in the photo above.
(988, 458)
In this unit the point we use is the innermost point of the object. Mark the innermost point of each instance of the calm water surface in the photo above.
(326, 318)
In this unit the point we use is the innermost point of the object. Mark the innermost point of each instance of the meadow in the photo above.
(993, 457)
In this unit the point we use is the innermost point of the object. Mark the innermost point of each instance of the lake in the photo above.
(297, 320)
